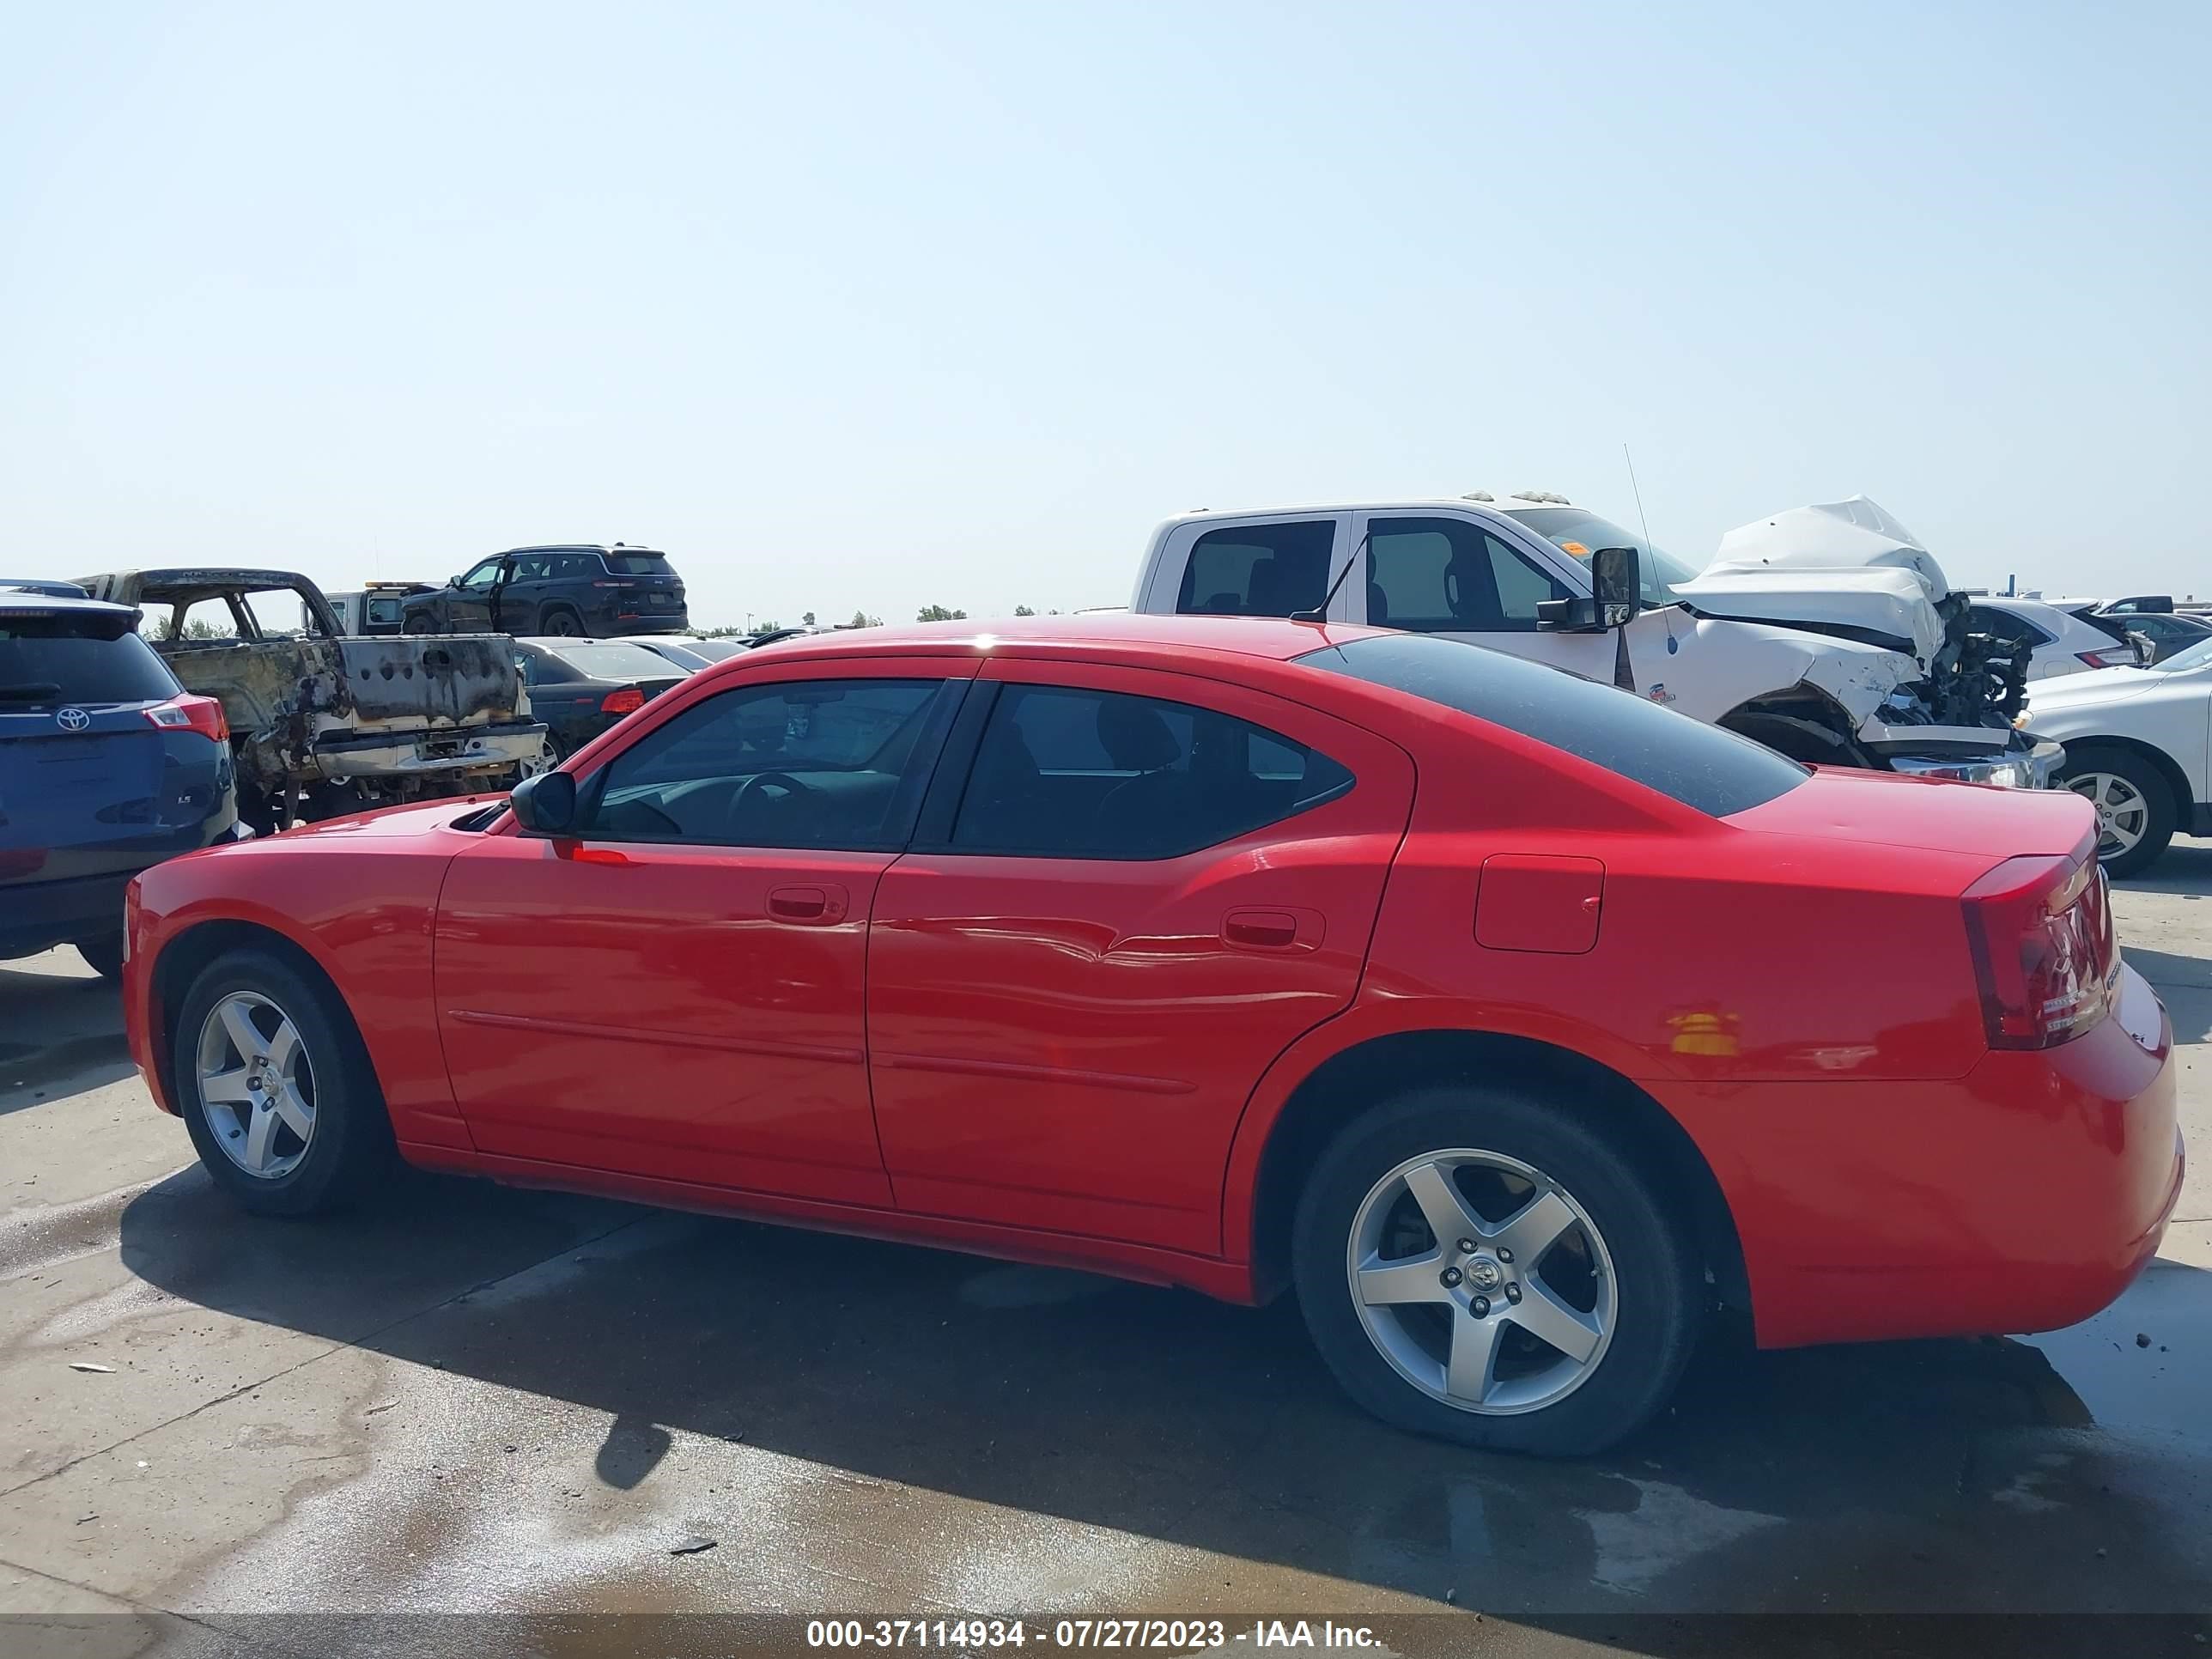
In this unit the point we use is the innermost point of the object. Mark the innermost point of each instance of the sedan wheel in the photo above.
(1481, 1282)
(2137, 810)
(2123, 814)
(257, 1085)
(275, 1086)
(1498, 1268)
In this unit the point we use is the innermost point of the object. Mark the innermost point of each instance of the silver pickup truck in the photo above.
(323, 723)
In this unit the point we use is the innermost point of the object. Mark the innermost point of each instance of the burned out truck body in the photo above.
(323, 723)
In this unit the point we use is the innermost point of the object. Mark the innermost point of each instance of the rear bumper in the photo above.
(42, 914)
(37, 915)
(417, 754)
(2021, 1197)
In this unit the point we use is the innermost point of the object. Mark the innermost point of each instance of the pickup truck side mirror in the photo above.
(1616, 595)
(1617, 584)
(544, 804)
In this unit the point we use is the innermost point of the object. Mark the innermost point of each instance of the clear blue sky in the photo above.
(872, 306)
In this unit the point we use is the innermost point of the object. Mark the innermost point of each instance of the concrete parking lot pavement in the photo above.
(469, 1400)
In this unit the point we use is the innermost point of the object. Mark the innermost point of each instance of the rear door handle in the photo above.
(816, 906)
(1273, 930)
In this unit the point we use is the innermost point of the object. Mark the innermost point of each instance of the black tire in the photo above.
(350, 1150)
(2161, 811)
(104, 954)
(419, 623)
(560, 623)
(1656, 1282)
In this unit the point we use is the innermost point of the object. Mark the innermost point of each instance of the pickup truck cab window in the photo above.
(1258, 569)
(1068, 772)
(1448, 576)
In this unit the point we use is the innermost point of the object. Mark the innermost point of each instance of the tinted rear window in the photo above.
(639, 564)
(48, 661)
(615, 660)
(1701, 766)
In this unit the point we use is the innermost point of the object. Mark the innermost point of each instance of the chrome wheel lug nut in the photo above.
(1450, 1277)
(1504, 1255)
(1482, 1307)
(1512, 1292)
(1466, 1247)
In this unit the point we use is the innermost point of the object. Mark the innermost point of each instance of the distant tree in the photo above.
(938, 613)
(768, 627)
(1023, 610)
(806, 617)
(862, 619)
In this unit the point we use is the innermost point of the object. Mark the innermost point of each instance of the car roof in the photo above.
(1271, 638)
(1482, 502)
(26, 601)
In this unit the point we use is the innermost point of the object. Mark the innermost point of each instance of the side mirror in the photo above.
(1616, 596)
(1617, 584)
(545, 805)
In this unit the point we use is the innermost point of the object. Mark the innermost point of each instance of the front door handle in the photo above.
(813, 906)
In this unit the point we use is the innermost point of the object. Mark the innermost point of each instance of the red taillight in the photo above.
(627, 702)
(201, 714)
(2045, 952)
(2120, 656)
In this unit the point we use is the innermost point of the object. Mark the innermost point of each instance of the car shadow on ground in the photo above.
(1945, 1475)
(59, 1035)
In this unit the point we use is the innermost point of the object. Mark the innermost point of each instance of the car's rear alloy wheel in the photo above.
(1475, 1264)
(1485, 1285)
(275, 1086)
(257, 1085)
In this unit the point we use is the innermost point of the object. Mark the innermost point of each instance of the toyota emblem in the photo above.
(73, 720)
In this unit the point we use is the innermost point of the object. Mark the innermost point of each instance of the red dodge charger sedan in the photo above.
(1512, 1020)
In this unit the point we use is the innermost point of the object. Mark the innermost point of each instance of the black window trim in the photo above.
(956, 771)
(954, 693)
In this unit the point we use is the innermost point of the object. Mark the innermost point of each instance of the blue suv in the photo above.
(107, 766)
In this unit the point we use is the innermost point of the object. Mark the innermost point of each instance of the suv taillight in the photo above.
(2118, 656)
(623, 703)
(201, 714)
(2045, 951)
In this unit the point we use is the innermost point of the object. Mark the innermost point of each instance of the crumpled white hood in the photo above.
(1843, 563)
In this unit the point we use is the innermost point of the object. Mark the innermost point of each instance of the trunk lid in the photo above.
(1931, 813)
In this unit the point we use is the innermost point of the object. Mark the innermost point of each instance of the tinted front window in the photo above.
(1701, 766)
(50, 661)
(1258, 570)
(813, 763)
(639, 564)
(1446, 575)
(1063, 773)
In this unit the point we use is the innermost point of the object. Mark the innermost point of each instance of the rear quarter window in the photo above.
(1701, 766)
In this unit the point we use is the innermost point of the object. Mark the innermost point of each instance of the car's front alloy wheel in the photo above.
(276, 1087)
(257, 1085)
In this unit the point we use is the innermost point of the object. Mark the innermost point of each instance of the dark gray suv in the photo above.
(559, 590)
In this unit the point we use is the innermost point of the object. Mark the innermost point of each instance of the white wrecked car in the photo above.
(1827, 632)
